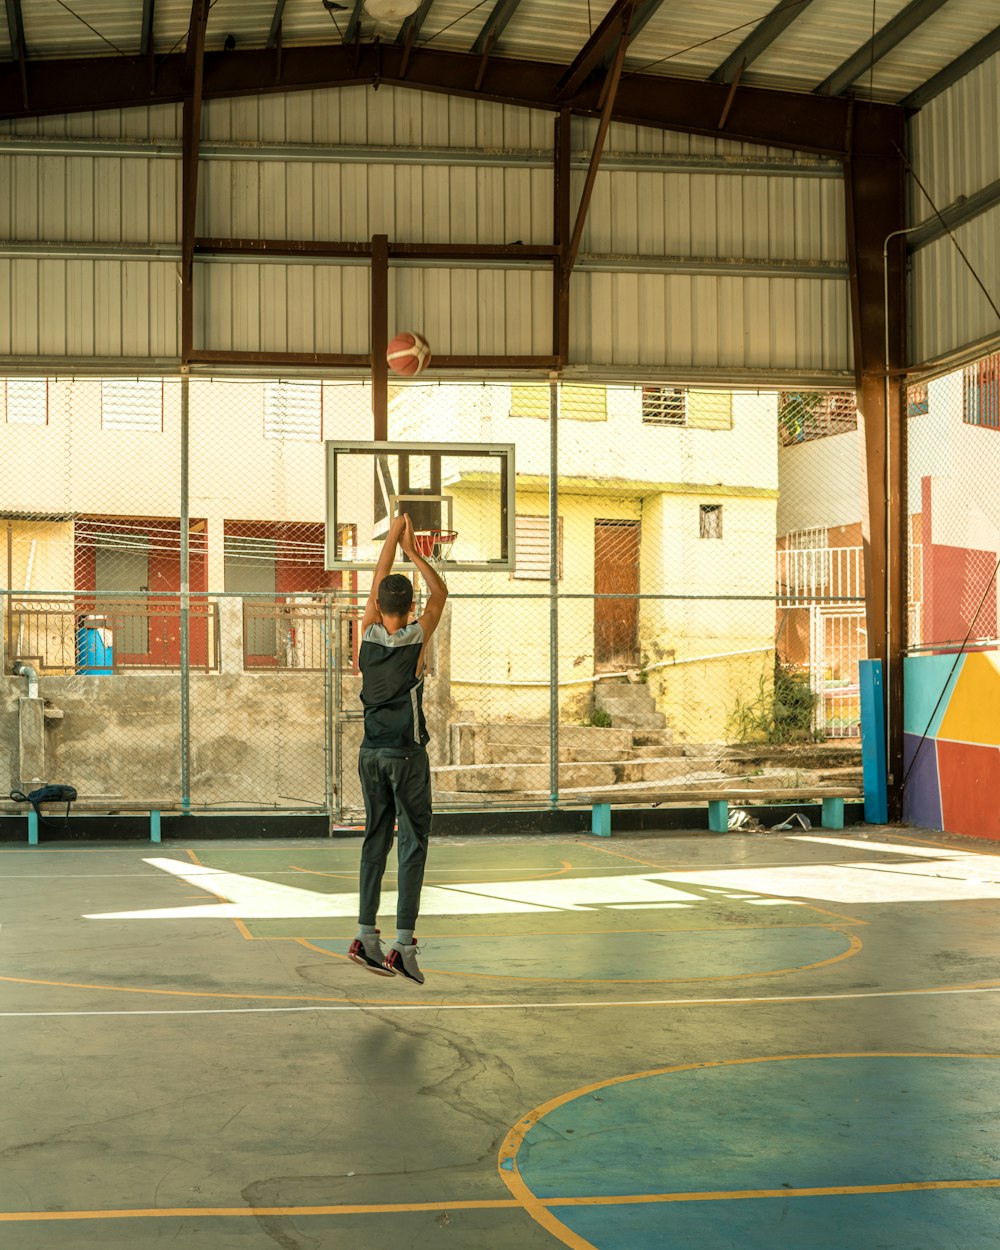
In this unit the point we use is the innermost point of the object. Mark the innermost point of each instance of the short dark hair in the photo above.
(395, 594)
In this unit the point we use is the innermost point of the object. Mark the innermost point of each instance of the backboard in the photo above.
(466, 487)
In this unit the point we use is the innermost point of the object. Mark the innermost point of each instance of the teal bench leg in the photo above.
(718, 815)
(600, 819)
(32, 828)
(833, 814)
(154, 826)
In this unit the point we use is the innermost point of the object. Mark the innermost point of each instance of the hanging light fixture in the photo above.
(391, 10)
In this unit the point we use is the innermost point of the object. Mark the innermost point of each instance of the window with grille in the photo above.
(293, 410)
(806, 415)
(664, 405)
(27, 401)
(916, 400)
(981, 393)
(532, 541)
(710, 521)
(132, 404)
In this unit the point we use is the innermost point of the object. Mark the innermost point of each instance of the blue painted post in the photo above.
(873, 742)
(718, 815)
(32, 828)
(154, 826)
(600, 819)
(833, 814)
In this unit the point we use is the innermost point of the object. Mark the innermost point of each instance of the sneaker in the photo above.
(367, 951)
(403, 959)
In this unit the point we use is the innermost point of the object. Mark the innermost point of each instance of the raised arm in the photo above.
(382, 570)
(437, 590)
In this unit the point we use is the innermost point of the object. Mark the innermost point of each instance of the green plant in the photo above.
(600, 718)
(779, 712)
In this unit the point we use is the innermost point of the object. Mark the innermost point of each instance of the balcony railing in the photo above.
(291, 635)
(87, 634)
(817, 573)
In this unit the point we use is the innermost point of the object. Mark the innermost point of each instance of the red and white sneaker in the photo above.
(366, 950)
(403, 960)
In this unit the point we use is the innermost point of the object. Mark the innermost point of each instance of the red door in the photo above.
(616, 572)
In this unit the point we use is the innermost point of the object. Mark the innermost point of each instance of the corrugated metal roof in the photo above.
(689, 40)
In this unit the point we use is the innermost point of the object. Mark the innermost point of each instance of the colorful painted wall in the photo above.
(951, 724)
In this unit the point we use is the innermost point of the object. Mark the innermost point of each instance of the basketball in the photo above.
(408, 354)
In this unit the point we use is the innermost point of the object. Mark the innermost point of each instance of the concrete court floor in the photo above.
(685, 1041)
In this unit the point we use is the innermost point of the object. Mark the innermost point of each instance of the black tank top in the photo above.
(391, 691)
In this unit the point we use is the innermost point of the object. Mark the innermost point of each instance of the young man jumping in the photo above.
(393, 766)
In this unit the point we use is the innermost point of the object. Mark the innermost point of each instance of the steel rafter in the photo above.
(409, 32)
(954, 71)
(146, 38)
(784, 119)
(275, 31)
(19, 52)
(760, 39)
(591, 55)
(642, 15)
(892, 34)
(494, 26)
(354, 23)
(194, 57)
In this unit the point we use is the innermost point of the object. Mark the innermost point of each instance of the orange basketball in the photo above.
(408, 354)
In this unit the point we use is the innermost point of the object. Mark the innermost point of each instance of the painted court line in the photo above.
(382, 1005)
(492, 1204)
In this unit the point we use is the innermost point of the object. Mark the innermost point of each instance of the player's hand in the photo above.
(406, 539)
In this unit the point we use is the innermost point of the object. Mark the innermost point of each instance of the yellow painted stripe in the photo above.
(489, 1204)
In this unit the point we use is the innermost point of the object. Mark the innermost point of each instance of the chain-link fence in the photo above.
(952, 513)
(681, 599)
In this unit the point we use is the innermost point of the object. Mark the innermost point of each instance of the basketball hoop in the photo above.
(435, 545)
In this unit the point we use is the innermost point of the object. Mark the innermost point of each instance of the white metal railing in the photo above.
(817, 573)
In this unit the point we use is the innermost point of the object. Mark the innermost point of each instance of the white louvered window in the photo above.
(293, 410)
(532, 542)
(27, 401)
(132, 404)
(664, 405)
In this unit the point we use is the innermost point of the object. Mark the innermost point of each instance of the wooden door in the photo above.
(616, 572)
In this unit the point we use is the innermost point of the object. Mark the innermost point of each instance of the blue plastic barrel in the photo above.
(94, 650)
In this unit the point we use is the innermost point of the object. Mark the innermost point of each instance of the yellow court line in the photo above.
(854, 947)
(537, 1207)
(558, 933)
(960, 850)
(490, 1204)
(606, 850)
(240, 926)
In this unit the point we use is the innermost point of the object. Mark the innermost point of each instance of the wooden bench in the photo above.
(718, 800)
(109, 806)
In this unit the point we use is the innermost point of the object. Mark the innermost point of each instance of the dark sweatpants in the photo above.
(397, 789)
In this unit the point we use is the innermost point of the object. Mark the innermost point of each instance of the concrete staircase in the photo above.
(629, 704)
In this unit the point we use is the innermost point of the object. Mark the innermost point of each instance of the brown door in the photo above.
(616, 572)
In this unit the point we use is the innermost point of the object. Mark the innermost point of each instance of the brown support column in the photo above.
(561, 211)
(193, 68)
(380, 335)
(875, 211)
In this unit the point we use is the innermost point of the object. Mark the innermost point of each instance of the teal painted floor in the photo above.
(704, 1042)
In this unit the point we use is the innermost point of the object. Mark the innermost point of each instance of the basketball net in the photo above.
(435, 546)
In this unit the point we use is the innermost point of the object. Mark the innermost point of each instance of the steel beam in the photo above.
(409, 31)
(561, 210)
(272, 35)
(624, 14)
(875, 203)
(951, 73)
(354, 22)
(494, 25)
(146, 38)
(313, 249)
(19, 52)
(892, 33)
(965, 209)
(760, 38)
(591, 55)
(380, 335)
(784, 119)
(194, 77)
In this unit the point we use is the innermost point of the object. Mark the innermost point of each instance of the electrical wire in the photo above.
(460, 18)
(105, 39)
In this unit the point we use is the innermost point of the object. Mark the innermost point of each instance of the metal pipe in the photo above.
(185, 606)
(553, 591)
(889, 563)
(26, 670)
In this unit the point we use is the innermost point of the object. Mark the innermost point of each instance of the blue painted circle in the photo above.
(768, 1125)
(666, 956)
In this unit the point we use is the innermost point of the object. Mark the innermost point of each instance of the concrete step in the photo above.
(657, 752)
(611, 697)
(517, 778)
(641, 720)
(652, 738)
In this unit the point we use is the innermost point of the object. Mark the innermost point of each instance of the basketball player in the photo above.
(393, 765)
